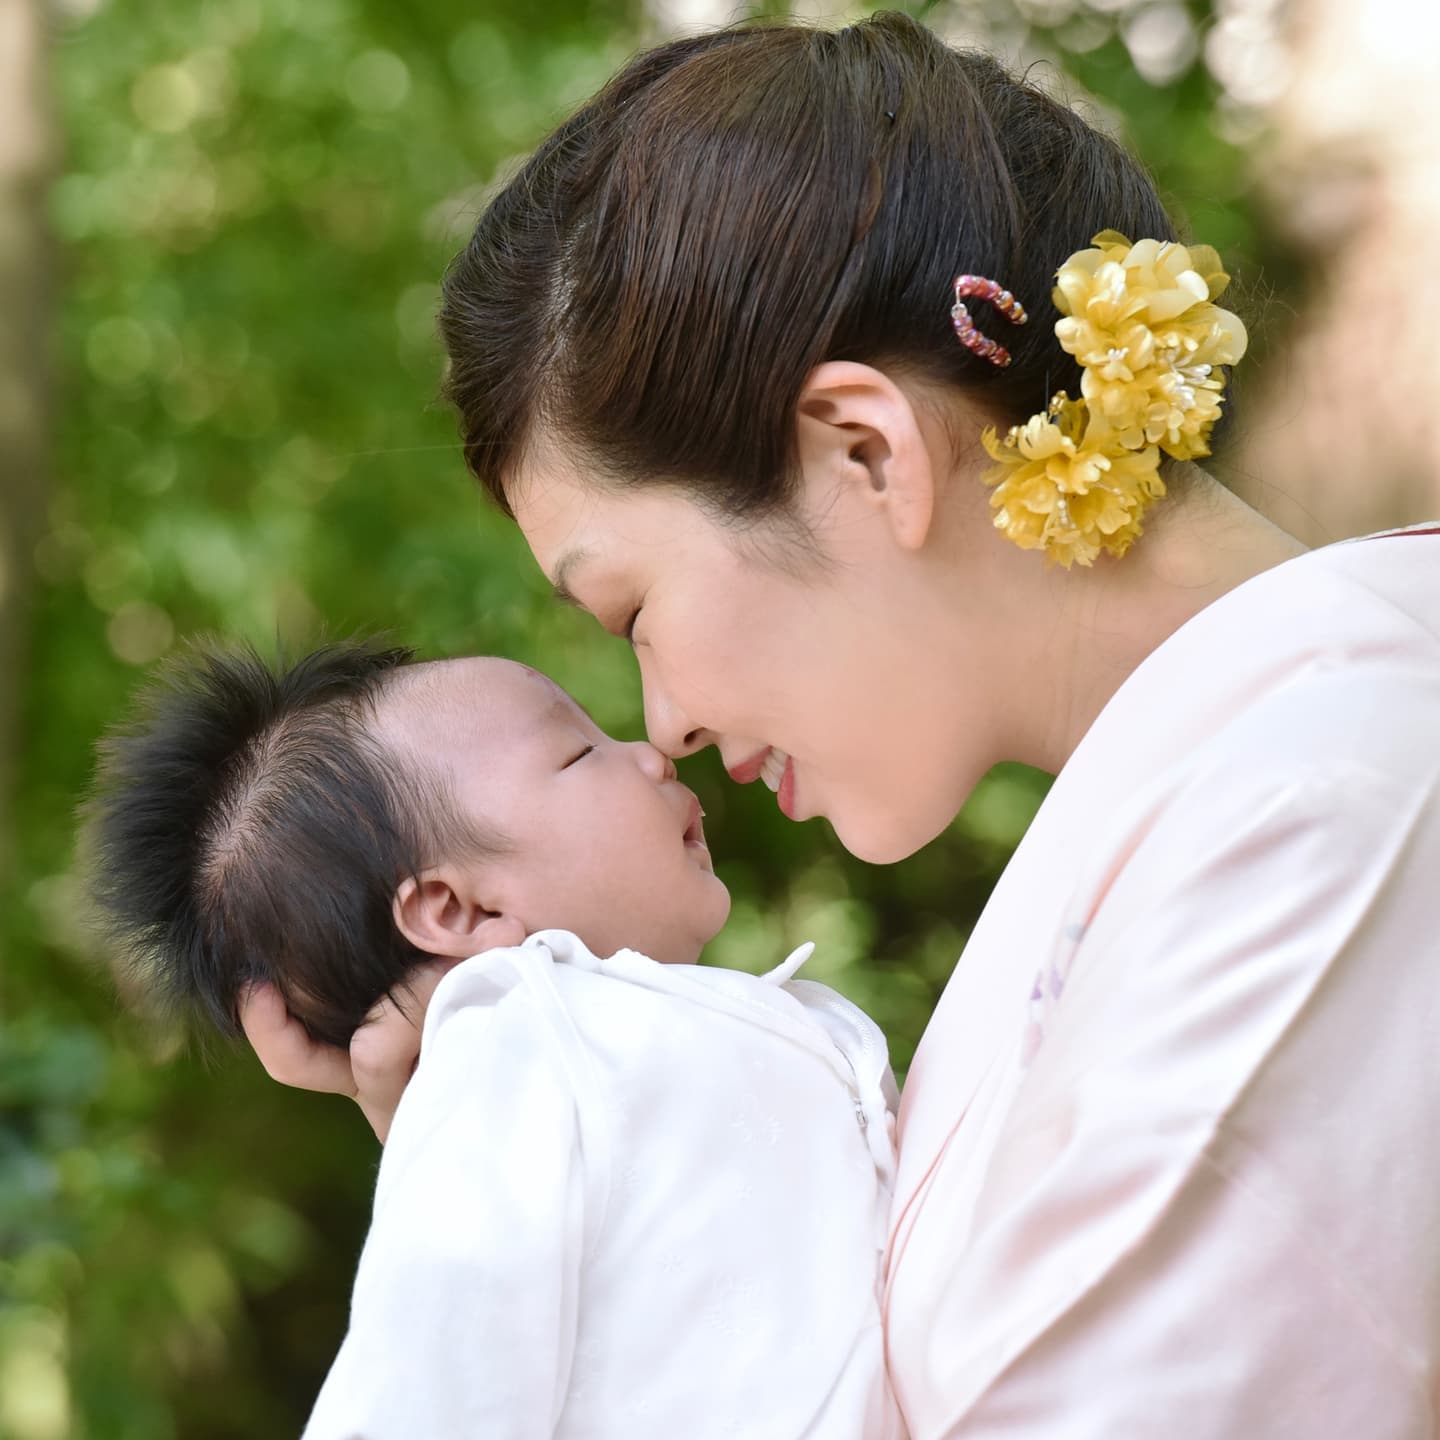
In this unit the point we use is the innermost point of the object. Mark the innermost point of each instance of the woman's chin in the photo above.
(877, 846)
(883, 843)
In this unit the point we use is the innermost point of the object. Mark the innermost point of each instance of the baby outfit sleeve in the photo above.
(464, 1310)
(1214, 1208)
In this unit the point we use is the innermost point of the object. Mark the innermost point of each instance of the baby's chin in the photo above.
(682, 942)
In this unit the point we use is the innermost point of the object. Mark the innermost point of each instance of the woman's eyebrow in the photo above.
(560, 584)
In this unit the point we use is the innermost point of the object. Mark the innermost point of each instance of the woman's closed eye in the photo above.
(620, 623)
(627, 630)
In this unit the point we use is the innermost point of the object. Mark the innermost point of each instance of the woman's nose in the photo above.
(668, 727)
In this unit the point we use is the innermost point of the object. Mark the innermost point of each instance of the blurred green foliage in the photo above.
(257, 201)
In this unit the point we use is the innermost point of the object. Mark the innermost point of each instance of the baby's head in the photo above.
(330, 824)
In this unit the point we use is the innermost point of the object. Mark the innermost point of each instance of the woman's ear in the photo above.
(854, 422)
(441, 913)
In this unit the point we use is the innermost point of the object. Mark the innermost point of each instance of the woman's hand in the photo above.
(382, 1054)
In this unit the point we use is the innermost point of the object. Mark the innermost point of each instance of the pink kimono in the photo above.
(1170, 1149)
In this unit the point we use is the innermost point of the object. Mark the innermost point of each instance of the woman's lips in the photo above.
(785, 795)
(748, 771)
(776, 769)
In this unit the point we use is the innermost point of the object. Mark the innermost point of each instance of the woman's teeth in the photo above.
(772, 772)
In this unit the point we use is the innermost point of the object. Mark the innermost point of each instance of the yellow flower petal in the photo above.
(1228, 339)
(1143, 254)
(1110, 240)
(1076, 480)
(1205, 260)
(992, 443)
(1187, 291)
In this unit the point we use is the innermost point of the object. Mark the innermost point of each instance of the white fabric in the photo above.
(1170, 1149)
(624, 1199)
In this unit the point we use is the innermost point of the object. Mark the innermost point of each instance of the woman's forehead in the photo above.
(552, 509)
(572, 526)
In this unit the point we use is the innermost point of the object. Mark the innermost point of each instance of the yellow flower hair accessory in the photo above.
(1142, 322)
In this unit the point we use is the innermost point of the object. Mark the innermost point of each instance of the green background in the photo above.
(255, 202)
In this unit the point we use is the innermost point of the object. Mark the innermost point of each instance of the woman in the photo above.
(1168, 1154)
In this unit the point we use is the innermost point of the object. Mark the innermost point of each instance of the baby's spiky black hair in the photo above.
(246, 825)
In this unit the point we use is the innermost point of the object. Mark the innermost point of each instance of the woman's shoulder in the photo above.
(1342, 597)
(1306, 726)
(1284, 752)
(1337, 659)
(1328, 661)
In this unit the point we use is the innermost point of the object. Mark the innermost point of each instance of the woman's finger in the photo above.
(386, 1047)
(287, 1050)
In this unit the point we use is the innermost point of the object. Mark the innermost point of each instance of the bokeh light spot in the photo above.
(166, 98)
(1162, 42)
(377, 81)
(118, 350)
(139, 633)
(34, 1394)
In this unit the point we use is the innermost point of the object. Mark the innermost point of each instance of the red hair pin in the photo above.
(965, 331)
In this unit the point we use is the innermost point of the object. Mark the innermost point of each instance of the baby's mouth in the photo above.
(695, 830)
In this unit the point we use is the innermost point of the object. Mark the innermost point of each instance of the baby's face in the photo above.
(603, 838)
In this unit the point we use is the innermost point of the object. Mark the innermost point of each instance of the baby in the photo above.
(623, 1196)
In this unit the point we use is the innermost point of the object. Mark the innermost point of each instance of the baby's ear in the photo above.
(440, 913)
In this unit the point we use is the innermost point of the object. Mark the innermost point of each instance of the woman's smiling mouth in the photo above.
(776, 769)
(784, 788)
(749, 770)
(773, 768)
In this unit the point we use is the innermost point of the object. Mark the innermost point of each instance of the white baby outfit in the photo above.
(625, 1199)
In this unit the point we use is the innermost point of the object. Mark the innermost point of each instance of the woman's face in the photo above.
(843, 680)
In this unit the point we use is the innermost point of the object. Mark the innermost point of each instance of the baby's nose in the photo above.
(655, 763)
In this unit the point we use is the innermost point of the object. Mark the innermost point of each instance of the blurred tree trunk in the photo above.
(25, 153)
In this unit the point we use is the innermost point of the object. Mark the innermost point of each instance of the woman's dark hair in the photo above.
(733, 209)
(246, 825)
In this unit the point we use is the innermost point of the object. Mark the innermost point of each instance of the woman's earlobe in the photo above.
(440, 914)
(910, 497)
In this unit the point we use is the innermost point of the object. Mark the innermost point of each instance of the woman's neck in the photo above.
(1199, 545)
